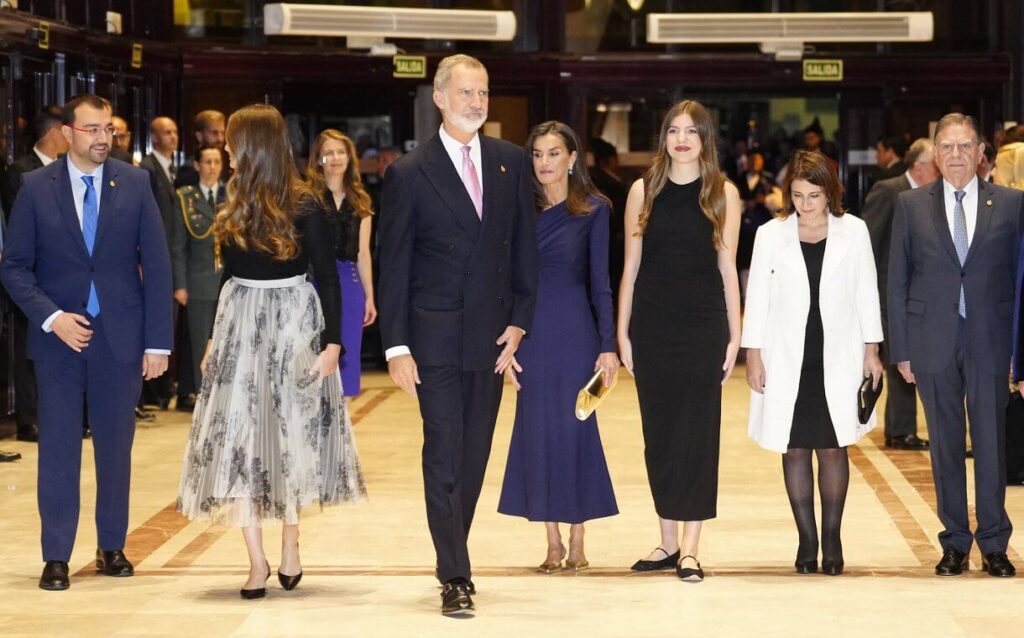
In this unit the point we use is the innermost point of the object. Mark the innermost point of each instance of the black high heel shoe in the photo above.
(253, 594)
(288, 582)
(806, 565)
(832, 567)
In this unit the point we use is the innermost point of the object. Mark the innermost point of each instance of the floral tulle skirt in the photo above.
(268, 440)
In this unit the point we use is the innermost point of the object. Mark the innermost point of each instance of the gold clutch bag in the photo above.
(591, 395)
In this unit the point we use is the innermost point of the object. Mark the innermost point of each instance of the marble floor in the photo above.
(368, 566)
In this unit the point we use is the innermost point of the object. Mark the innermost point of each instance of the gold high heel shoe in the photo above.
(551, 568)
(577, 565)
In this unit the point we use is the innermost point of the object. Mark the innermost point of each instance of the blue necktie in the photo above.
(960, 241)
(90, 217)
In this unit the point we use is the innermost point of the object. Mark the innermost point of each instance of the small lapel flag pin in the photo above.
(502, 168)
(112, 183)
(988, 203)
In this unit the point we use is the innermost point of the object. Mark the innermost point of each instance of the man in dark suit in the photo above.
(196, 278)
(80, 231)
(49, 145)
(606, 178)
(889, 152)
(163, 134)
(877, 213)
(458, 280)
(5, 457)
(952, 266)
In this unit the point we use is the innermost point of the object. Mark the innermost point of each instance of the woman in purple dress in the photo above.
(333, 172)
(556, 469)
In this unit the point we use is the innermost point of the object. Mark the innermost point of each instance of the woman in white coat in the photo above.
(812, 328)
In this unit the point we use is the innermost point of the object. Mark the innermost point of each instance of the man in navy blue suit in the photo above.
(458, 279)
(87, 262)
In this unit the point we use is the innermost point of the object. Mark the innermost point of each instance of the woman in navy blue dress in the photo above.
(556, 469)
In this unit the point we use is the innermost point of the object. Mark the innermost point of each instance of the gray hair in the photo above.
(447, 65)
(958, 119)
(919, 147)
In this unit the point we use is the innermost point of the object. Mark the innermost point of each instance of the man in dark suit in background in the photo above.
(889, 152)
(607, 180)
(49, 145)
(163, 134)
(877, 213)
(209, 130)
(5, 457)
(122, 146)
(82, 230)
(457, 288)
(952, 269)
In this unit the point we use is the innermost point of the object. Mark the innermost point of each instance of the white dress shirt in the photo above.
(205, 190)
(43, 157)
(910, 179)
(454, 149)
(78, 190)
(970, 204)
(165, 163)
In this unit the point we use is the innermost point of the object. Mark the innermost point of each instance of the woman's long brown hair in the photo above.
(712, 189)
(265, 191)
(583, 196)
(351, 181)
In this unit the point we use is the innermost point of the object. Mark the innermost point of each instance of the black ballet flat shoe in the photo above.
(806, 566)
(253, 594)
(668, 562)
(832, 567)
(288, 582)
(690, 574)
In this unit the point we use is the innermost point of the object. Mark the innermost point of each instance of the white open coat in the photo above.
(775, 318)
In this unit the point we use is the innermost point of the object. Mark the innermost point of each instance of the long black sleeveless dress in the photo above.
(680, 333)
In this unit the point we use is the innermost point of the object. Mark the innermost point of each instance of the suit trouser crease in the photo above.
(459, 409)
(943, 396)
(111, 389)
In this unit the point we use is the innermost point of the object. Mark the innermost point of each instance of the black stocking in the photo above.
(796, 467)
(833, 482)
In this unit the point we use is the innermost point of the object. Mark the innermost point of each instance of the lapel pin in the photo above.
(988, 203)
(112, 183)
(502, 168)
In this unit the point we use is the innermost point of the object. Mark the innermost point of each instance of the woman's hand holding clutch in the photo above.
(872, 364)
(608, 363)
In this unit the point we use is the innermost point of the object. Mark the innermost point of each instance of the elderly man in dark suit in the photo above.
(877, 213)
(87, 262)
(457, 287)
(952, 268)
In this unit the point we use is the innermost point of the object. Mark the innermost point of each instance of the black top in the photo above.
(315, 247)
(814, 335)
(344, 227)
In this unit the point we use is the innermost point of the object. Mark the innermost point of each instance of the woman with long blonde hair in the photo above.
(679, 325)
(270, 435)
(333, 173)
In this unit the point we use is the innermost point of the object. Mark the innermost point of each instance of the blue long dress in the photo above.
(556, 468)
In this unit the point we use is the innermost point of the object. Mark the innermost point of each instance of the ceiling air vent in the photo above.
(286, 18)
(706, 28)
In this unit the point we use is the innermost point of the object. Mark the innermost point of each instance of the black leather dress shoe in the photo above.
(185, 404)
(455, 598)
(907, 442)
(644, 565)
(8, 457)
(953, 563)
(86, 432)
(143, 415)
(28, 433)
(113, 563)
(55, 576)
(997, 564)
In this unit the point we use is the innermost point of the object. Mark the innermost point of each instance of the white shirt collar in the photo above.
(971, 189)
(77, 174)
(910, 179)
(454, 149)
(43, 157)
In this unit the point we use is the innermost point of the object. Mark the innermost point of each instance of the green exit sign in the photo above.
(823, 70)
(410, 66)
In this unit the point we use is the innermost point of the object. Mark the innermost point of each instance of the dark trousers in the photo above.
(111, 388)
(459, 409)
(24, 375)
(986, 394)
(901, 397)
(201, 313)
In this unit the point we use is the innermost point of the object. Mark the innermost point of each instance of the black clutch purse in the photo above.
(867, 396)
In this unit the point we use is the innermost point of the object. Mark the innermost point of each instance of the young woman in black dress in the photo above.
(679, 325)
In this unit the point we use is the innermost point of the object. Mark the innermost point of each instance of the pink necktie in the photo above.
(472, 182)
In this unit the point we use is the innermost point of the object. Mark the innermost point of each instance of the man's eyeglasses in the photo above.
(95, 131)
